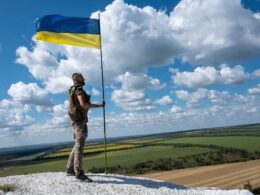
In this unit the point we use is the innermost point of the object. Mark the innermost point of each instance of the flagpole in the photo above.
(103, 94)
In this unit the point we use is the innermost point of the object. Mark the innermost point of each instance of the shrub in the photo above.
(248, 186)
(8, 188)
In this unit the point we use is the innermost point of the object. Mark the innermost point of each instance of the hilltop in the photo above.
(58, 183)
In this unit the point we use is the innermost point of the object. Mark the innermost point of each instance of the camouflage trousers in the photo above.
(80, 132)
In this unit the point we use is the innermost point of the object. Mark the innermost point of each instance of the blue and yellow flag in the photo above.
(76, 31)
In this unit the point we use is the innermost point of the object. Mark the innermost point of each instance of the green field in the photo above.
(122, 157)
(198, 151)
(93, 149)
(249, 143)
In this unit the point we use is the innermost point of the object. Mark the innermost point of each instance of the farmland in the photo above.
(224, 176)
(153, 153)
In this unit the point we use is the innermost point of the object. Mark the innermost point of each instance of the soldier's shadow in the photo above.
(116, 179)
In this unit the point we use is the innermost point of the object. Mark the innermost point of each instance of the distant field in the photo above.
(225, 176)
(249, 143)
(242, 130)
(93, 149)
(155, 149)
(124, 157)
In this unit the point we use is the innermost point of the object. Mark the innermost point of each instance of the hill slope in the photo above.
(58, 183)
(224, 176)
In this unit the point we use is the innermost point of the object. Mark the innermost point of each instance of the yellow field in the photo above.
(94, 149)
(225, 176)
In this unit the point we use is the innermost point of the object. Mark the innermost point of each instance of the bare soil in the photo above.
(225, 176)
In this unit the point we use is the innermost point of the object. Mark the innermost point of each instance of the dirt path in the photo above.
(225, 176)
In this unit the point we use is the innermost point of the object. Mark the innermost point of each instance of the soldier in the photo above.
(79, 104)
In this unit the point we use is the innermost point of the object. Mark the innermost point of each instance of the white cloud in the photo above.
(14, 117)
(256, 73)
(165, 100)
(54, 64)
(17, 126)
(176, 119)
(58, 84)
(135, 39)
(132, 95)
(60, 114)
(138, 81)
(257, 15)
(95, 92)
(40, 62)
(29, 94)
(176, 109)
(194, 98)
(216, 108)
(203, 76)
(255, 90)
(213, 32)
(42, 109)
(240, 98)
(233, 75)
(252, 110)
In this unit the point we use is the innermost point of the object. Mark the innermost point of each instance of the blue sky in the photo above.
(168, 65)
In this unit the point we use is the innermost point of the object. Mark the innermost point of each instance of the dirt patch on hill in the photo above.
(225, 176)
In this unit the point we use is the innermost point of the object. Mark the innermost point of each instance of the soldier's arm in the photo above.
(86, 105)
(98, 105)
(82, 102)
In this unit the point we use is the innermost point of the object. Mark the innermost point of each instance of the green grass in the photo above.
(122, 157)
(140, 154)
(249, 143)
(92, 150)
(8, 188)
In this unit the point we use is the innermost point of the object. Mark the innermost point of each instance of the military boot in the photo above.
(70, 172)
(81, 176)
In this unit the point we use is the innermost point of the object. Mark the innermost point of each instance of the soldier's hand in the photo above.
(103, 103)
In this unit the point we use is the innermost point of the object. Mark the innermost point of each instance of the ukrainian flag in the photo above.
(76, 31)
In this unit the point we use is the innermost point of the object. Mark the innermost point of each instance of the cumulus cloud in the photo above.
(40, 62)
(60, 114)
(257, 15)
(29, 94)
(252, 110)
(194, 98)
(20, 126)
(176, 109)
(95, 92)
(256, 73)
(137, 38)
(255, 90)
(14, 117)
(132, 94)
(178, 118)
(133, 40)
(203, 76)
(214, 32)
(165, 100)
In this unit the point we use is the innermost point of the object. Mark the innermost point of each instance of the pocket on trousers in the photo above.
(80, 133)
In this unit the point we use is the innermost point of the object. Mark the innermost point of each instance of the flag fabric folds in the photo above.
(75, 31)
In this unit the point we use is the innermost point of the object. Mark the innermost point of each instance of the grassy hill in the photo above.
(156, 152)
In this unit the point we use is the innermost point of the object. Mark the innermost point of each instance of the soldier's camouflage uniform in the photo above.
(80, 131)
